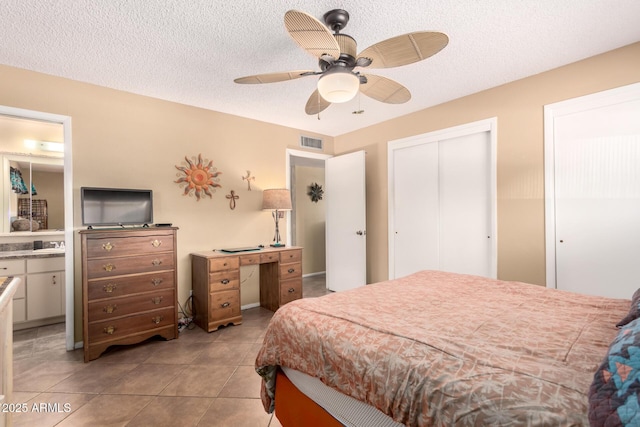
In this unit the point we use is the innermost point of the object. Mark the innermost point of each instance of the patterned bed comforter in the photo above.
(438, 348)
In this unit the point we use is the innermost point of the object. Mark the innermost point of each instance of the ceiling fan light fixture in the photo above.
(338, 86)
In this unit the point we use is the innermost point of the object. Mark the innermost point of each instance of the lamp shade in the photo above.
(276, 199)
(338, 86)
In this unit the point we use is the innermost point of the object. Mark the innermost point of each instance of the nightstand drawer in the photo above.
(116, 307)
(223, 263)
(224, 280)
(290, 271)
(224, 305)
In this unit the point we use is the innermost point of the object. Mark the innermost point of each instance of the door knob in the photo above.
(361, 233)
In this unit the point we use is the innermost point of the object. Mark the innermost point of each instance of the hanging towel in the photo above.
(17, 182)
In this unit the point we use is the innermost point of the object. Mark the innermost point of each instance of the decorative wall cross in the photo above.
(232, 199)
(249, 178)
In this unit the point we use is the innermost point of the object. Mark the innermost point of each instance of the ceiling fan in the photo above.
(337, 60)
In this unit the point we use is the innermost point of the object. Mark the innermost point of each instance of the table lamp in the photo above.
(277, 200)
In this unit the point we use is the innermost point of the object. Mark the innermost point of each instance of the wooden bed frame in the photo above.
(303, 411)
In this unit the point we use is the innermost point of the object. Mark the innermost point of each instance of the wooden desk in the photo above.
(216, 282)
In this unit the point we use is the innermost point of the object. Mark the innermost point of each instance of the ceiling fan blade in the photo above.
(385, 90)
(316, 104)
(405, 49)
(274, 77)
(311, 34)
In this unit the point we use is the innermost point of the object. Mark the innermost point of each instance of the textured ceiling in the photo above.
(189, 51)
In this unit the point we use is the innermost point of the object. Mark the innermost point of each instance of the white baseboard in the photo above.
(319, 273)
(248, 306)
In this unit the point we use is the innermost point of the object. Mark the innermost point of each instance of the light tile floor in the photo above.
(199, 379)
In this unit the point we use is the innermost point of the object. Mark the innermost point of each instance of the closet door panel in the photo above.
(416, 214)
(465, 221)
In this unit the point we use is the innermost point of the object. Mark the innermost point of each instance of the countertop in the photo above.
(39, 253)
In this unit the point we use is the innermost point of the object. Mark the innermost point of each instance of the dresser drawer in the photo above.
(118, 328)
(224, 263)
(294, 255)
(119, 286)
(108, 267)
(118, 246)
(223, 305)
(224, 280)
(290, 271)
(12, 267)
(290, 290)
(122, 306)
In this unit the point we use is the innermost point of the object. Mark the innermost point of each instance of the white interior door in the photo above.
(346, 240)
(442, 201)
(596, 235)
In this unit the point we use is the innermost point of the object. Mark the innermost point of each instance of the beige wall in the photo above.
(310, 219)
(519, 109)
(131, 141)
(125, 140)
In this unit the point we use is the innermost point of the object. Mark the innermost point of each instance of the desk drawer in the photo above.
(224, 280)
(290, 290)
(108, 267)
(224, 305)
(251, 259)
(119, 286)
(107, 247)
(116, 307)
(290, 271)
(294, 255)
(118, 328)
(268, 257)
(224, 263)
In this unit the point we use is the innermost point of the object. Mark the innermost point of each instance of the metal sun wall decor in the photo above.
(198, 177)
(315, 192)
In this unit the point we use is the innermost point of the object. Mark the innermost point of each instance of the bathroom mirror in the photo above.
(32, 180)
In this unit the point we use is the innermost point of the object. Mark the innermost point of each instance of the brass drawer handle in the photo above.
(156, 300)
(225, 281)
(156, 243)
(156, 262)
(156, 281)
(108, 246)
(291, 290)
(109, 308)
(291, 270)
(109, 267)
(157, 319)
(225, 305)
(109, 288)
(109, 330)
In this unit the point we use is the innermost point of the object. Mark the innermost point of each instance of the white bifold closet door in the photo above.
(441, 206)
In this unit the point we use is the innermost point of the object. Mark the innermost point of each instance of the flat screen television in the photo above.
(116, 206)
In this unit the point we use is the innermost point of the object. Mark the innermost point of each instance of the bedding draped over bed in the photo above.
(438, 348)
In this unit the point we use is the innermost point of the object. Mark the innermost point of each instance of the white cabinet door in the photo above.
(45, 295)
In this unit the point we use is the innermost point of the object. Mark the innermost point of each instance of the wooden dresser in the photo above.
(129, 286)
(216, 283)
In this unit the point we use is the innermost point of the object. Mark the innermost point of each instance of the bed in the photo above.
(437, 348)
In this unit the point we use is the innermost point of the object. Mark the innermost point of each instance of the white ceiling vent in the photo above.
(308, 142)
